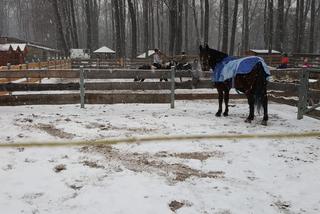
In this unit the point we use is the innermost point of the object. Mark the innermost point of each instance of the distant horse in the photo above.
(165, 66)
(247, 75)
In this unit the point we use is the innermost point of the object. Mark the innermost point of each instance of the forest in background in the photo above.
(174, 26)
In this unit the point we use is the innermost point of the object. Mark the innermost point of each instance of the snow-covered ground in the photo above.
(199, 176)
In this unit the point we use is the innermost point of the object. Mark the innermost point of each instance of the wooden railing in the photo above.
(284, 87)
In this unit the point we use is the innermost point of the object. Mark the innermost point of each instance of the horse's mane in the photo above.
(213, 56)
(217, 55)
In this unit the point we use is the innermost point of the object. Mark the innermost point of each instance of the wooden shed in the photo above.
(12, 54)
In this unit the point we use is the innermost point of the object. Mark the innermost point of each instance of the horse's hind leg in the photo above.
(265, 109)
(220, 94)
(226, 102)
(251, 108)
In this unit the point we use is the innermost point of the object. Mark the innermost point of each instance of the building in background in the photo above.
(16, 51)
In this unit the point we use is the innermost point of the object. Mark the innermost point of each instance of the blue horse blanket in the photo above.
(229, 67)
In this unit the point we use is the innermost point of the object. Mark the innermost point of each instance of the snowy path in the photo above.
(206, 176)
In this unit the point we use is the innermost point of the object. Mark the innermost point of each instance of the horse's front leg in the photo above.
(226, 102)
(251, 108)
(220, 98)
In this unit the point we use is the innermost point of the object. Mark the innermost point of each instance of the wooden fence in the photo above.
(284, 88)
(307, 102)
(51, 64)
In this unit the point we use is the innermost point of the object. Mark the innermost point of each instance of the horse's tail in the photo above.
(260, 85)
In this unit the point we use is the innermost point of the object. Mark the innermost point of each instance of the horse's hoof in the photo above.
(225, 114)
(248, 120)
(218, 114)
(264, 123)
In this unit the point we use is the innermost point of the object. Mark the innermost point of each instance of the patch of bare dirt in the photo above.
(192, 155)
(108, 126)
(144, 162)
(92, 164)
(282, 206)
(59, 168)
(175, 205)
(53, 131)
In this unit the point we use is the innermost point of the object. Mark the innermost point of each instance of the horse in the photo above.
(251, 80)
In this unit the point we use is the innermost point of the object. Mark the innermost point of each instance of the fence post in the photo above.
(303, 93)
(82, 92)
(172, 86)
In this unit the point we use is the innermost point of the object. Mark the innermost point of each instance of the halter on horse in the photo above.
(247, 75)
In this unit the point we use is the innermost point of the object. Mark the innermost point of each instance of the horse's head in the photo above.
(210, 57)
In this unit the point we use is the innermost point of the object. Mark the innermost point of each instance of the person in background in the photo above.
(157, 62)
(156, 59)
(196, 73)
(284, 61)
(306, 63)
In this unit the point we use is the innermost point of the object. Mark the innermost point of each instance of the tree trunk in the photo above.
(225, 27)
(89, 26)
(114, 35)
(245, 27)
(62, 41)
(279, 36)
(74, 25)
(196, 21)
(296, 28)
(172, 26)
(234, 26)
(118, 28)
(301, 26)
(201, 20)
(146, 27)
(312, 26)
(133, 28)
(95, 14)
(153, 42)
(270, 20)
(206, 21)
(220, 24)
(186, 26)
(158, 25)
(162, 26)
(122, 19)
(179, 28)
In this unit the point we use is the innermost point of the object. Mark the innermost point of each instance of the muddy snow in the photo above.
(189, 176)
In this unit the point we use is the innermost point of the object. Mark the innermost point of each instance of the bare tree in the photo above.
(234, 26)
(196, 21)
(146, 26)
(270, 24)
(206, 21)
(279, 36)
(312, 26)
(186, 25)
(133, 29)
(179, 27)
(62, 40)
(225, 27)
(89, 25)
(245, 26)
(172, 25)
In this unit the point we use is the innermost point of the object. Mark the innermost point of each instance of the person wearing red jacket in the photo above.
(284, 61)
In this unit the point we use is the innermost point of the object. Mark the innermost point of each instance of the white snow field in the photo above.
(189, 176)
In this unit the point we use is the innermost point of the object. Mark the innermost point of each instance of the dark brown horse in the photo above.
(253, 84)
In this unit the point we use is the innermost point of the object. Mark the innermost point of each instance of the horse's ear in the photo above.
(206, 46)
